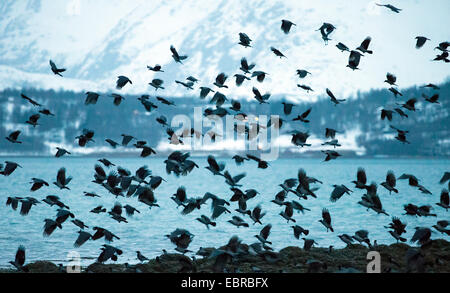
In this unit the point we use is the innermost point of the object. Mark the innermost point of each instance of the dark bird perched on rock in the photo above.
(106, 162)
(286, 25)
(156, 68)
(421, 41)
(333, 98)
(390, 7)
(91, 98)
(122, 81)
(33, 120)
(364, 47)
(244, 40)
(19, 260)
(56, 70)
(342, 47)
(245, 66)
(326, 220)
(354, 59)
(390, 182)
(178, 58)
(277, 52)
(31, 101)
(13, 136)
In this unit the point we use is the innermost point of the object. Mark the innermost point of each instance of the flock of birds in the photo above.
(143, 184)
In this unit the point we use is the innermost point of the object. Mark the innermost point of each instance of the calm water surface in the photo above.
(145, 231)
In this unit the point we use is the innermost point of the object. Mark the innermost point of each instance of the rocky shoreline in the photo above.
(434, 258)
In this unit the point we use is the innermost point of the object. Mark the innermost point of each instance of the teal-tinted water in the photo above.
(145, 231)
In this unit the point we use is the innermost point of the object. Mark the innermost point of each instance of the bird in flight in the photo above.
(56, 70)
(391, 7)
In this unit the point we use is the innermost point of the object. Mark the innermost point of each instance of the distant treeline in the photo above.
(428, 127)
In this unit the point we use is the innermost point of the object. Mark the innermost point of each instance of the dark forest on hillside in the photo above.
(428, 126)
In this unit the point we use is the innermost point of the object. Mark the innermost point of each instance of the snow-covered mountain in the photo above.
(99, 40)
